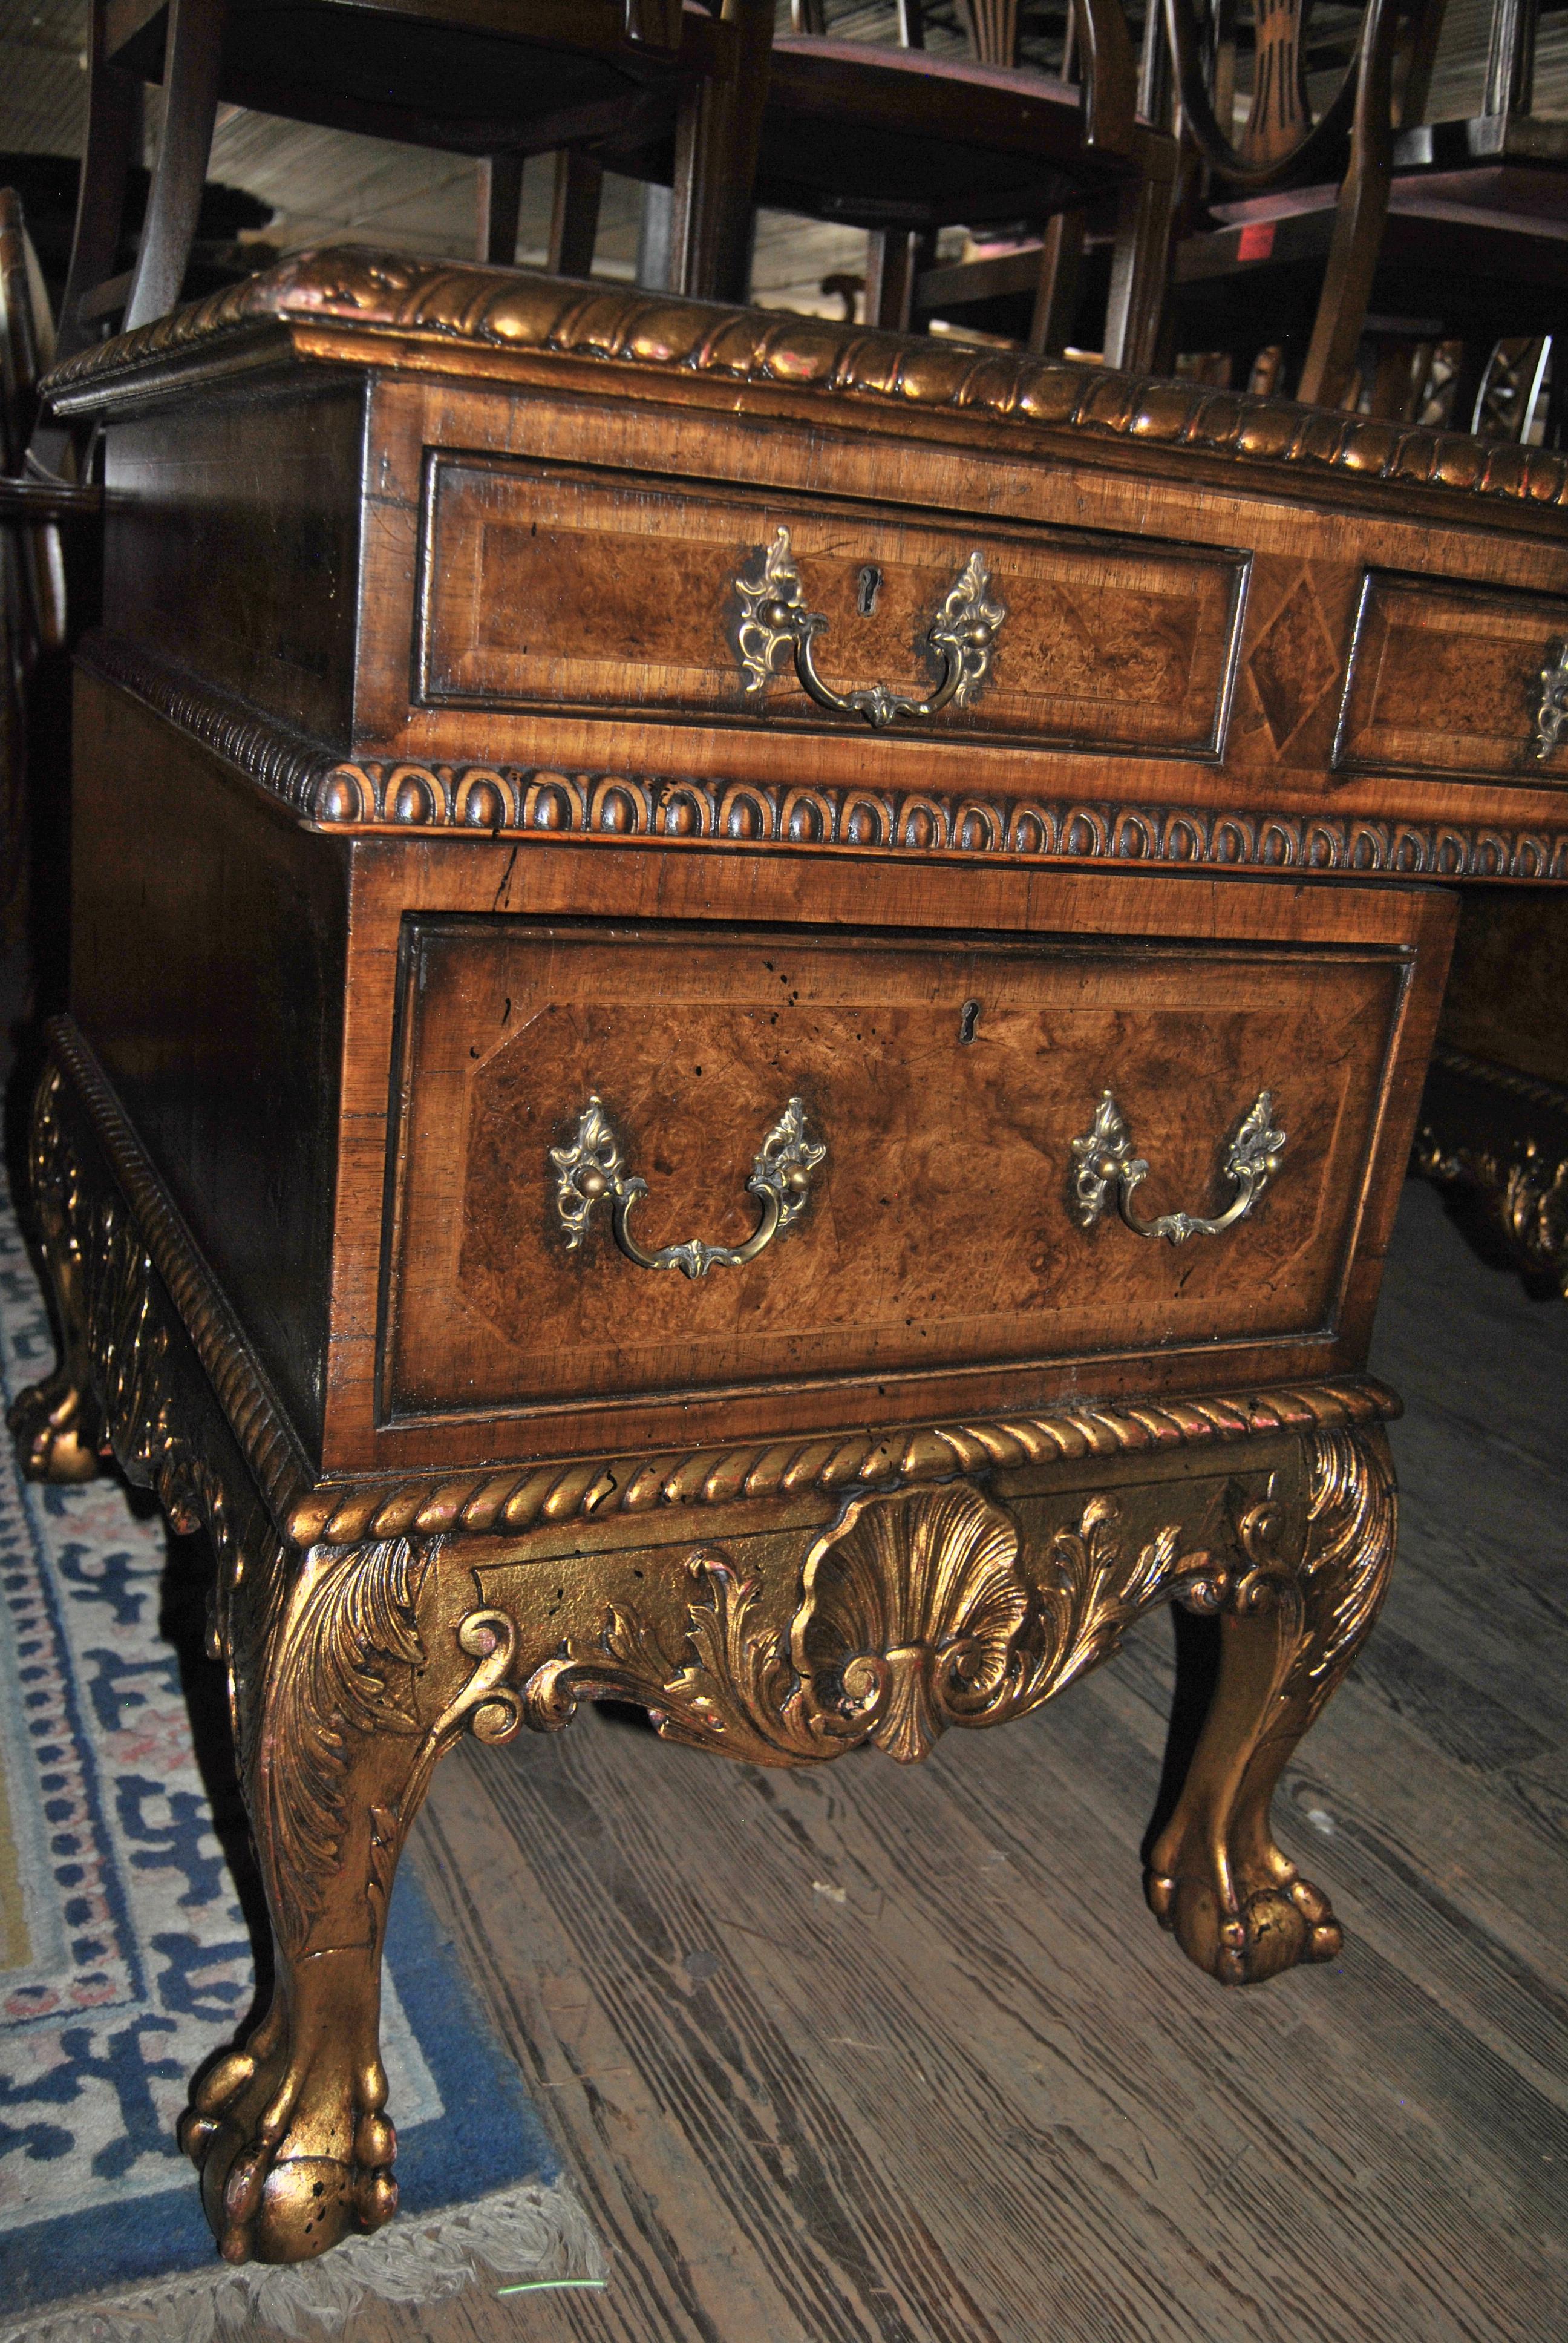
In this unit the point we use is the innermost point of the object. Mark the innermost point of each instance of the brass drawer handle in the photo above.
(593, 1166)
(1552, 713)
(775, 620)
(1103, 1159)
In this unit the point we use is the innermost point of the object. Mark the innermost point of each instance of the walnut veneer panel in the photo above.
(938, 1232)
(549, 589)
(1447, 678)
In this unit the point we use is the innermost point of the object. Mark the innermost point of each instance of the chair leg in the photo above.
(574, 214)
(113, 143)
(1141, 260)
(192, 57)
(892, 261)
(717, 139)
(499, 207)
(1358, 220)
(1056, 293)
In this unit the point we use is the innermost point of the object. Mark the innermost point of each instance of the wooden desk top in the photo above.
(425, 545)
(382, 308)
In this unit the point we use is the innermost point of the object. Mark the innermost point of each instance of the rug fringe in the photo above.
(531, 2232)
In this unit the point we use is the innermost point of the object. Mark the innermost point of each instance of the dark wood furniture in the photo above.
(748, 1003)
(1283, 147)
(1494, 1113)
(901, 143)
(1438, 232)
(644, 86)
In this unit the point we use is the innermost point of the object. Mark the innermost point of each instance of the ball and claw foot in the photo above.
(1273, 1927)
(57, 1430)
(290, 2161)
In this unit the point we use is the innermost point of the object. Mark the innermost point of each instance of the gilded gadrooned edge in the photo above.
(458, 306)
(345, 1512)
(599, 1488)
(1533, 1088)
(528, 801)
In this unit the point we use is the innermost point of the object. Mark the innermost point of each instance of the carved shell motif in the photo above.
(912, 1613)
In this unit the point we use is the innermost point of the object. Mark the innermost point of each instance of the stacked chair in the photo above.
(1347, 244)
(902, 143)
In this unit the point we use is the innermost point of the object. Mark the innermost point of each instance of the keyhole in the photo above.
(869, 588)
(969, 1018)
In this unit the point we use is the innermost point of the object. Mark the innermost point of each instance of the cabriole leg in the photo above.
(348, 1683)
(1239, 1907)
(57, 1422)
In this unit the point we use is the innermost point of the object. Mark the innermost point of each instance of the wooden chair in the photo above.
(34, 516)
(1343, 161)
(644, 86)
(1464, 242)
(901, 143)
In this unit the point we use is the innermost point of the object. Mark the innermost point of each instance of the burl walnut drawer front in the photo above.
(566, 590)
(1455, 679)
(923, 1094)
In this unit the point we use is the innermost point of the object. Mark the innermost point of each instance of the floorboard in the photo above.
(878, 2054)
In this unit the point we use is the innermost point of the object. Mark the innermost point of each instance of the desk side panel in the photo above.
(208, 949)
(232, 544)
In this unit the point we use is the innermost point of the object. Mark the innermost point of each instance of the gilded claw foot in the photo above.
(290, 2138)
(58, 1429)
(1247, 1933)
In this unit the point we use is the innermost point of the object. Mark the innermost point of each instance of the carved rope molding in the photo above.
(524, 1496)
(504, 801)
(920, 1610)
(443, 305)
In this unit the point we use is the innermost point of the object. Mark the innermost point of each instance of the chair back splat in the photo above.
(1282, 146)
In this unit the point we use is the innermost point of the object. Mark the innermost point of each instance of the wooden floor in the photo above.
(899, 2053)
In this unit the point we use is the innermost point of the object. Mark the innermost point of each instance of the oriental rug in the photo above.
(127, 1910)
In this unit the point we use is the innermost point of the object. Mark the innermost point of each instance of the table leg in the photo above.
(351, 1676)
(1239, 1907)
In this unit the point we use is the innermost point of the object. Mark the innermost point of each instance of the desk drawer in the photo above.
(1453, 680)
(557, 589)
(943, 1225)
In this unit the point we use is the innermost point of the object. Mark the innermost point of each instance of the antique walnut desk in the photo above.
(748, 1004)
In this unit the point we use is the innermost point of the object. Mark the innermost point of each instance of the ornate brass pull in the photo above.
(1103, 1159)
(775, 620)
(1552, 713)
(593, 1166)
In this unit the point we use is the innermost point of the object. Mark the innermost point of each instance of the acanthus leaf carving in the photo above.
(916, 1612)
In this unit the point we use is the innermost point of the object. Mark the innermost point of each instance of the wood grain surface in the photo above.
(892, 2055)
(948, 1079)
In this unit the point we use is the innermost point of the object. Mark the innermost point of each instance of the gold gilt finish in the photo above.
(917, 1612)
(811, 1624)
(1552, 713)
(1504, 1136)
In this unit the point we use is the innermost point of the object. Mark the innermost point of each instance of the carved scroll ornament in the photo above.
(592, 1168)
(916, 1612)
